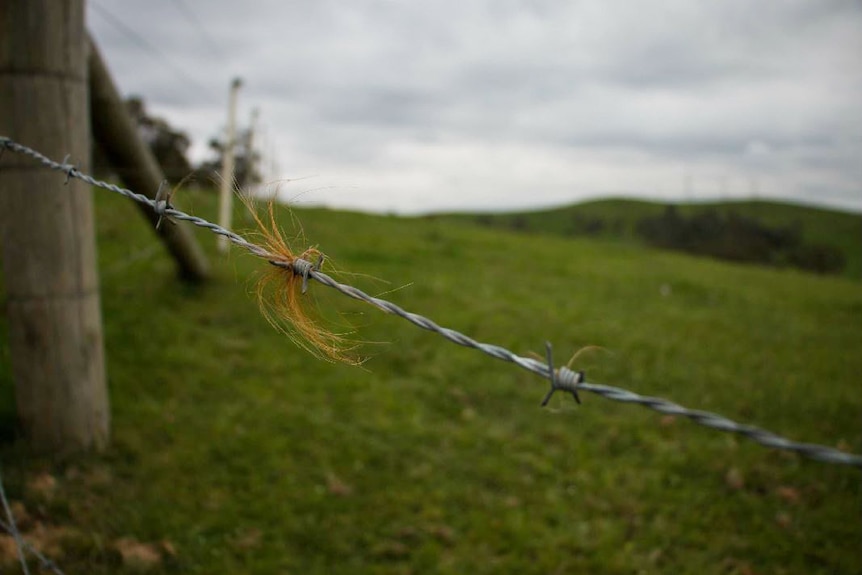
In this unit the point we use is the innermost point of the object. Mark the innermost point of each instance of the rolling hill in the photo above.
(618, 220)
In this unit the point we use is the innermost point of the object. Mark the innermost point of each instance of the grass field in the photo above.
(235, 452)
(842, 230)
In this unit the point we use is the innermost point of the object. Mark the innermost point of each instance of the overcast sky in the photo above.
(413, 107)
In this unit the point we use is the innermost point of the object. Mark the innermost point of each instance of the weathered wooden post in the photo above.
(49, 251)
(115, 131)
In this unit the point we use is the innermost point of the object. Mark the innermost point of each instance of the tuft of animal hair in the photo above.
(281, 301)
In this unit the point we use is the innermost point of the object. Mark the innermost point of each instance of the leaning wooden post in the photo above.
(49, 250)
(127, 153)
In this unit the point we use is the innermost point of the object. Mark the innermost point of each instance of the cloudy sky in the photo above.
(413, 107)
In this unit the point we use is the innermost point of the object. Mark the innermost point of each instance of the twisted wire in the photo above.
(562, 378)
(721, 423)
(22, 544)
(12, 528)
(162, 209)
(46, 563)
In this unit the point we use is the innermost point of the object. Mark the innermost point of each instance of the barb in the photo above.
(72, 172)
(563, 378)
(163, 202)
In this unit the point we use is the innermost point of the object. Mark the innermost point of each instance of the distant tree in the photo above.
(739, 238)
(246, 171)
(484, 220)
(168, 144)
(582, 225)
(519, 223)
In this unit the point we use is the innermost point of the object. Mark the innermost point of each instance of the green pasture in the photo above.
(620, 216)
(236, 452)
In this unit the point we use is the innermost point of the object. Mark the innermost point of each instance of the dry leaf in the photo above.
(442, 533)
(788, 494)
(42, 486)
(337, 487)
(249, 539)
(8, 551)
(138, 556)
(734, 478)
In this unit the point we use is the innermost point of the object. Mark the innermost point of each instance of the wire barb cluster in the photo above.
(302, 268)
(163, 202)
(563, 379)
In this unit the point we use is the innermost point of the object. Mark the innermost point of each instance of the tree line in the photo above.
(726, 235)
(170, 147)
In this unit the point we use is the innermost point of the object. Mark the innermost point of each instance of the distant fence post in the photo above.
(226, 195)
(49, 251)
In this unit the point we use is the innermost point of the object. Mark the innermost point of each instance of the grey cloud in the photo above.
(346, 84)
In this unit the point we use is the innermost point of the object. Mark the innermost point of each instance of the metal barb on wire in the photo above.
(304, 268)
(163, 202)
(564, 378)
(70, 169)
(568, 383)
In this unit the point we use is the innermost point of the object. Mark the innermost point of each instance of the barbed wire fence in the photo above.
(560, 378)
(23, 546)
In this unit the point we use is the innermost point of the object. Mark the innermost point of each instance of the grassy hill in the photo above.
(617, 220)
(235, 452)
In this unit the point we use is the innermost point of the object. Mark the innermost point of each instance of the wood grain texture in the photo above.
(117, 135)
(49, 251)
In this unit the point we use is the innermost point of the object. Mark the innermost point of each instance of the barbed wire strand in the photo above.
(13, 529)
(47, 564)
(562, 378)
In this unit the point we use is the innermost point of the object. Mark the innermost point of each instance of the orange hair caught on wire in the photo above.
(280, 300)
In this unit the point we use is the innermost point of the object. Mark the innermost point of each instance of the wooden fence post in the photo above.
(127, 153)
(226, 191)
(49, 251)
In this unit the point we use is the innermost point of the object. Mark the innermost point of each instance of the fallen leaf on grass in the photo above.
(336, 486)
(248, 539)
(511, 501)
(42, 486)
(136, 555)
(168, 548)
(788, 494)
(48, 540)
(734, 479)
(8, 551)
(734, 566)
(442, 533)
